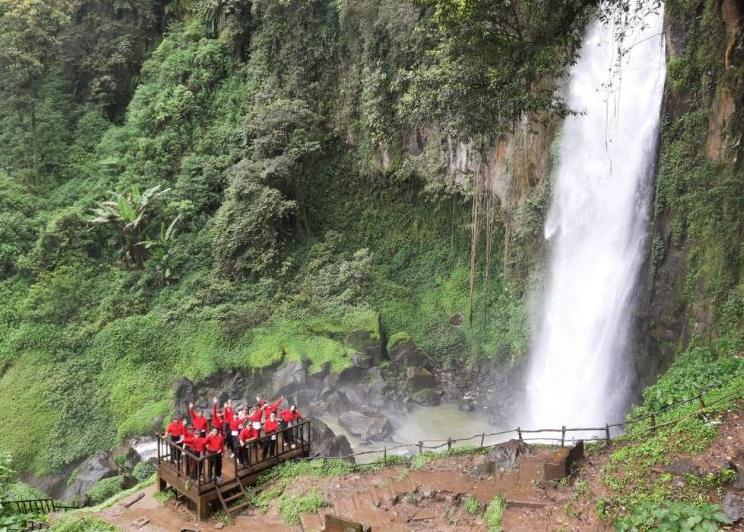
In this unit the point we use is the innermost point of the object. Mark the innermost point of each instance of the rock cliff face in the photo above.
(693, 273)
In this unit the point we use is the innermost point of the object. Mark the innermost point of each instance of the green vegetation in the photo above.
(290, 507)
(197, 197)
(632, 471)
(105, 489)
(471, 505)
(493, 514)
(143, 470)
(674, 517)
(82, 523)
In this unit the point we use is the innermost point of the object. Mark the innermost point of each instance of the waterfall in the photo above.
(579, 372)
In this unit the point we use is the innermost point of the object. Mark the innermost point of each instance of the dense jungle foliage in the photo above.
(189, 186)
(193, 186)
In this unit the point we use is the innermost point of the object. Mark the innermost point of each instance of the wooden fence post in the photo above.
(607, 433)
(563, 435)
(519, 433)
(483, 439)
(702, 403)
(421, 447)
(653, 423)
(384, 455)
(449, 444)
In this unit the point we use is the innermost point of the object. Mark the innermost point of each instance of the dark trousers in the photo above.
(193, 468)
(175, 452)
(228, 437)
(287, 435)
(216, 464)
(269, 446)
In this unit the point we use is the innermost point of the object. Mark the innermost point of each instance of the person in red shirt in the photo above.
(247, 435)
(217, 420)
(232, 436)
(215, 443)
(196, 444)
(198, 421)
(270, 427)
(175, 431)
(287, 418)
(227, 414)
(254, 415)
(272, 408)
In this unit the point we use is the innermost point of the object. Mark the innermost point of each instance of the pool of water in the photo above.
(430, 424)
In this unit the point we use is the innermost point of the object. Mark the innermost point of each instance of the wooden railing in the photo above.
(199, 469)
(587, 434)
(286, 441)
(38, 506)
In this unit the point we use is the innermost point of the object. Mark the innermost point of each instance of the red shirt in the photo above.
(227, 413)
(269, 408)
(235, 423)
(289, 416)
(199, 422)
(248, 433)
(270, 426)
(176, 428)
(215, 443)
(256, 416)
(217, 420)
(195, 442)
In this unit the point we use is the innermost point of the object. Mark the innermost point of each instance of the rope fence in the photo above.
(605, 431)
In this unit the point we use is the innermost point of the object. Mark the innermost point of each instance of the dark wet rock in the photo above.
(502, 457)
(324, 442)
(457, 319)
(289, 378)
(419, 378)
(85, 476)
(406, 354)
(368, 345)
(367, 427)
(683, 466)
(733, 505)
(426, 397)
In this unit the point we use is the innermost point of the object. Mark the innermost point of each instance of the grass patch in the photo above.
(494, 514)
(290, 507)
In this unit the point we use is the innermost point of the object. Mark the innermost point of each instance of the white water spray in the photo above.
(579, 373)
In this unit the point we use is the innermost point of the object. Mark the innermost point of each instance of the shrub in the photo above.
(673, 517)
(143, 470)
(105, 489)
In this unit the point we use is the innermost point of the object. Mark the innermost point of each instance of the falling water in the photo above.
(579, 372)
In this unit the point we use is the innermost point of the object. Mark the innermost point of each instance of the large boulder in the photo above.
(502, 457)
(87, 474)
(733, 506)
(406, 353)
(419, 378)
(324, 442)
(366, 426)
(289, 378)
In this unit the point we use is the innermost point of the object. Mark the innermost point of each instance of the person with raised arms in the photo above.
(198, 420)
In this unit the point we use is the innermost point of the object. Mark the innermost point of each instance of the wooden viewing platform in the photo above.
(189, 474)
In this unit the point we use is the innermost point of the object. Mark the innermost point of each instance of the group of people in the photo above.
(234, 429)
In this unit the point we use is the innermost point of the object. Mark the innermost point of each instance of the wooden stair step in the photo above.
(311, 521)
(514, 503)
(232, 498)
(238, 507)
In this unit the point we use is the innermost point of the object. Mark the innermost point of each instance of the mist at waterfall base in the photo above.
(580, 371)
